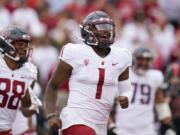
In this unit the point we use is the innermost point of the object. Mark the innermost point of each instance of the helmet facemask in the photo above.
(142, 60)
(22, 51)
(142, 64)
(14, 43)
(100, 34)
(98, 29)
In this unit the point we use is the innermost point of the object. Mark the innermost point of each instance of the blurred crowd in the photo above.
(53, 23)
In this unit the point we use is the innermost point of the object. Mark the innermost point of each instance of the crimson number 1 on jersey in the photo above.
(100, 83)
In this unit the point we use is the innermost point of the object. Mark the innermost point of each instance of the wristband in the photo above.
(51, 115)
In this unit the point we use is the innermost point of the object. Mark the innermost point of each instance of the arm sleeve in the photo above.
(159, 79)
(125, 89)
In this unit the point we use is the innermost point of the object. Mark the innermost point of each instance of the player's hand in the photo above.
(124, 102)
(35, 101)
(54, 123)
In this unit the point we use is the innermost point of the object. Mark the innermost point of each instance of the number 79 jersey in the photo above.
(138, 118)
(13, 85)
(93, 84)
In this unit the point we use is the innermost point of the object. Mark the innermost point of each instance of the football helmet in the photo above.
(172, 79)
(14, 43)
(142, 59)
(98, 29)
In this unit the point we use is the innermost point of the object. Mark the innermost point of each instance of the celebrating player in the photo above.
(97, 73)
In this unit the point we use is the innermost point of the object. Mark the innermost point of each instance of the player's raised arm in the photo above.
(61, 73)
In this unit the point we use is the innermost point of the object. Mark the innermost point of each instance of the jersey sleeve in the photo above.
(126, 59)
(129, 58)
(67, 54)
(159, 79)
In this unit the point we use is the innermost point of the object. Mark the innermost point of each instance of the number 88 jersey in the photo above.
(93, 83)
(13, 85)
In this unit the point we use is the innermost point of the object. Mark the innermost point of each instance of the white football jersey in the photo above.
(138, 118)
(93, 84)
(21, 124)
(13, 85)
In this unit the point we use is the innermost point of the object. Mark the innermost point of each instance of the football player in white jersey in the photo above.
(97, 73)
(23, 125)
(138, 119)
(17, 77)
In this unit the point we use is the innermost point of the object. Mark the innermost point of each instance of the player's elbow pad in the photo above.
(163, 110)
(125, 89)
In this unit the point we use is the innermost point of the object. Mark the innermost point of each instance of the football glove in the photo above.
(35, 101)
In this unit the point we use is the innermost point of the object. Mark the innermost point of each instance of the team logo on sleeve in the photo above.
(86, 62)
